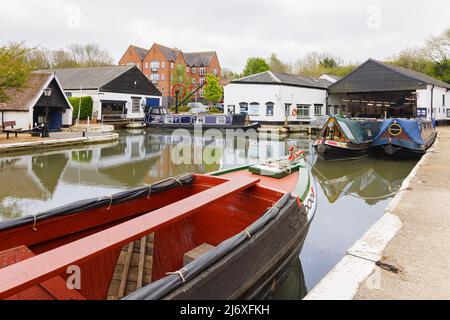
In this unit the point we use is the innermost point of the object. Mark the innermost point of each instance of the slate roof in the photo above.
(169, 53)
(89, 78)
(376, 76)
(199, 59)
(20, 100)
(276, 78)
(141, 52)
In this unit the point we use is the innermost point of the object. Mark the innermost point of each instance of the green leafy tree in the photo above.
(213, 91)
(179, 76)
(255, 65)
(14, 69)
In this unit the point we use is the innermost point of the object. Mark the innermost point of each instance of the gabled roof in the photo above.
(332, 76)
(89, 78)
(170, 53)
(22, 100)
(141, 52)
(376, 76)
(415, 75)
(199, 59)
(276, 78)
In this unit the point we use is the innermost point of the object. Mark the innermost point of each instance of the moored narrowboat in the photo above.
(161, 118)
(233, 234)
(344, 138)
(404, 138)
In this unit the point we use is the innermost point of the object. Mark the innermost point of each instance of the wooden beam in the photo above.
(140, 277)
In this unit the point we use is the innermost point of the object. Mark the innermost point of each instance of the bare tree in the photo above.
(90, 55)
(438, 48)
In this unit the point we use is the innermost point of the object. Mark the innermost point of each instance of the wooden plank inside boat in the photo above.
(133, 269)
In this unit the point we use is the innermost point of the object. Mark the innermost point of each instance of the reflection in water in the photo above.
(33, 183)
(294, 287)
(370, 179)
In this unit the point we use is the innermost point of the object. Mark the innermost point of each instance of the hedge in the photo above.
(86, 107)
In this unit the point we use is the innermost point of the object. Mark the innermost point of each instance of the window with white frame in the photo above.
(154, 78)
(202, 71)
(194, 70)
(270, 109)
(303, 111)
(135, 105)
(243, 107)
(188, 69)
(318, 110)
(69, 94)
(202, 93)
(215, 72)
(202, 81)
(154, 65)
(194, 81)
(254, 109)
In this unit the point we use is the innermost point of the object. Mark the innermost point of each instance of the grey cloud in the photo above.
(236, 29)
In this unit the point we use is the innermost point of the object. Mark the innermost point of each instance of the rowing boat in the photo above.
(233, 234)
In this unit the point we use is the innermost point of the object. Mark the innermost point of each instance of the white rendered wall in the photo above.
(97, 97)
(235, 93)
(22, 119)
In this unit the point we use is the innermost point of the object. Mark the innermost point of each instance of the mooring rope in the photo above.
(378, 263)
(180, 273)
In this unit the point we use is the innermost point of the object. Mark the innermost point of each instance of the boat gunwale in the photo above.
(24, 279)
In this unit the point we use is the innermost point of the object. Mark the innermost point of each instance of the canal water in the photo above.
(351, 194)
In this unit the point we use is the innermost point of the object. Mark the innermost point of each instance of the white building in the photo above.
(119, 92)
(273, 98)
(27, 107)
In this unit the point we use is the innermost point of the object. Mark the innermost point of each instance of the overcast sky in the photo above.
(236, 29)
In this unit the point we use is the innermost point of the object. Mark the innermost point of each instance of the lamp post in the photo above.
(45, 129)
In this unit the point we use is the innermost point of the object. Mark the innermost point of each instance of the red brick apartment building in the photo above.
(158, 64)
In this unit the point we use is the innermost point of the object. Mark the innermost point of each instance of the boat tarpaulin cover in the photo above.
(163, 287)
(410, 126)
(89, 204)
(352, 129)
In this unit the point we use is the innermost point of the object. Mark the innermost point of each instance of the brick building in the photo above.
(158, 64)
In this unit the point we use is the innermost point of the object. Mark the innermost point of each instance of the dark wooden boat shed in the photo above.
(377, 89)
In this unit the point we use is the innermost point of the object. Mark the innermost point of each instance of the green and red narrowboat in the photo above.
(345, 138)
(229, 235)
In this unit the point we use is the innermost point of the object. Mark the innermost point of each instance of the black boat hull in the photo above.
(254, 269)
(400, 152)
(329, 153)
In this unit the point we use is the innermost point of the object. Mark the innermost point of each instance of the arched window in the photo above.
(243, 107)
(270, 109)
(254, 109)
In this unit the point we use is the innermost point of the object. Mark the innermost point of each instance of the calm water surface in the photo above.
(348, 191)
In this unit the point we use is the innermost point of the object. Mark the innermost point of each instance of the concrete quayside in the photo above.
(406, 254)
